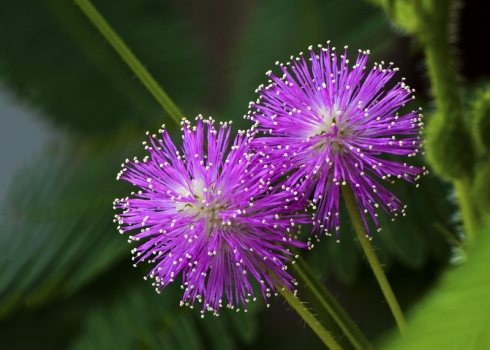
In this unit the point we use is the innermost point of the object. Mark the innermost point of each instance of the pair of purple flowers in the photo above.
(219, 217)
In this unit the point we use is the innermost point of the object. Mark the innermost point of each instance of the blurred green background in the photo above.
(71, 112)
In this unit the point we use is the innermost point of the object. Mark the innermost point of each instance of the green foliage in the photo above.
(56, 228)
(456, 315)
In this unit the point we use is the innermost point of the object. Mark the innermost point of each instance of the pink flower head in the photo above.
(334, 124)
(210, 215)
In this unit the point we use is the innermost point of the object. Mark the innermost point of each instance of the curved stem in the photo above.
(435, 17)
(326, 299)
(356, 218)
(141, 72)
(301, 309)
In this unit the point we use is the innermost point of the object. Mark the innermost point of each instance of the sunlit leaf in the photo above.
(456, 314)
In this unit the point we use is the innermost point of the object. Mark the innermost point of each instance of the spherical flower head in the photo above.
(215, 219)
(333, 124)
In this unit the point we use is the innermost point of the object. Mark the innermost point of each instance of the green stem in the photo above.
(326, 299)
(148, 81)
(308, 317)
(435, 18)
(356, 218)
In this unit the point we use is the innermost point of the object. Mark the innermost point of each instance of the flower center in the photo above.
(325, 124)
(201, 204)
(328, 130)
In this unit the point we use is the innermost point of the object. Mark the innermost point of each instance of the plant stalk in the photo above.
(308, 317)
(141, 72)
(330, 304)
(434, 34)
(356, 218)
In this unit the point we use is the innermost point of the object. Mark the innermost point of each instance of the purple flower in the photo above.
(334, 125)
(215, 219)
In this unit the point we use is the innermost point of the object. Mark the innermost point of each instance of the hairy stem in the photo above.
(450, 138)
(326, 299)
(308, 317)
(356, 218)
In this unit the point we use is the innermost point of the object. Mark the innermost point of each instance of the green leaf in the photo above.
(456, 314)
(56, 231)
(58, 61)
